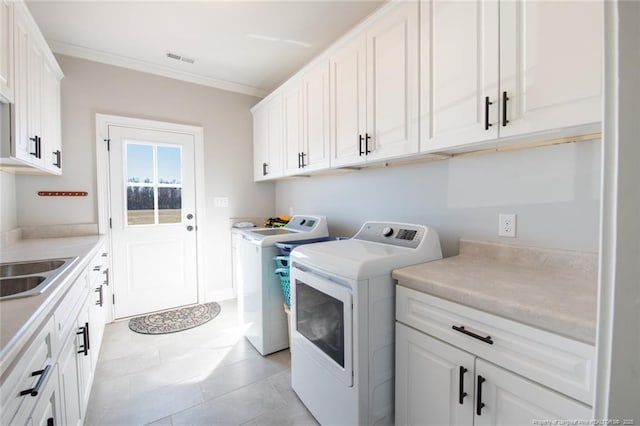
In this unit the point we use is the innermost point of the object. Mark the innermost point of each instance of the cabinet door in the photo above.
(315, 152)
(292, 128)
(21, 147)
(459, 71)
(550, 64)
(348, 103)
(35, 74)
(47, 410)
(85, 367)
(274, 165)
(6, 51)
(429, 390)
(97, 318)
(512, 400)
(70, 383)
(267, 140)
(260, 143)
(51, 138)
(392, 83)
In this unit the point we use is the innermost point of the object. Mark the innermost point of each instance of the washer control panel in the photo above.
(305, 223)
(397, 234)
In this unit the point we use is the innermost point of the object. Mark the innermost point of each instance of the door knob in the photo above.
(189, 228)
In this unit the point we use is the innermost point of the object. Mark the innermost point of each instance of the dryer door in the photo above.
(323, 322)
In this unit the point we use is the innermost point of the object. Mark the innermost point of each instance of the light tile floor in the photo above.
(208, 375)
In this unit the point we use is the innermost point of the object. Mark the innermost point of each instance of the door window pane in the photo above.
(169, 165)
(139, 163)
(140, 205)
(169, 205)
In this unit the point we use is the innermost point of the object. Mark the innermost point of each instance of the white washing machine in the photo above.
(342, 306)
(260, 299)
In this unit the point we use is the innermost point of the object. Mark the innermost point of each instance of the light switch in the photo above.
(221, 202)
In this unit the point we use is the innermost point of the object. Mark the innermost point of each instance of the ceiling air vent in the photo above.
(180, 58)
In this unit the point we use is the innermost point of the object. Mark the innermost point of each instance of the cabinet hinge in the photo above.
(108, 141)
(110, 223)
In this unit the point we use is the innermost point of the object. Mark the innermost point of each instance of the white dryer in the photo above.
(342, 306)
(260, 299)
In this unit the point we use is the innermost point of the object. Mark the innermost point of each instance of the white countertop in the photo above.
(20, 318)
(550, 289)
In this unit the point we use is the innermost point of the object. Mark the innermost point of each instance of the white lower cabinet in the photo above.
(22, 387)
(76, 367)
(439, 384)
(69, 379)
(47, 411)
(459, 366)
(429, 388)
(505, 398)
(50, 383)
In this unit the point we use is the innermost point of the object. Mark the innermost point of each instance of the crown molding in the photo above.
(143, 66)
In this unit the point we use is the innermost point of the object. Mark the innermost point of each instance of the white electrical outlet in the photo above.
(507, 225)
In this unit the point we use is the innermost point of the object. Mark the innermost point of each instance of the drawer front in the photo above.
(67, 311)
(99, 268)
(98, 271)
(555, 361)
(27, 377)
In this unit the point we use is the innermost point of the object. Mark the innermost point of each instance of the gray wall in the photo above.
(8, 216)
(554, 191)
(89, 88)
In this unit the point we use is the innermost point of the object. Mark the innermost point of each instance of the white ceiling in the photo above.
(245, 46)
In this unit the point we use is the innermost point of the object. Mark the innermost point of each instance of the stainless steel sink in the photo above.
(28, 268)
(21, 279)
(11, 286)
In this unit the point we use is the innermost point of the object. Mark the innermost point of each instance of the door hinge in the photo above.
(108, 141)
(110, 223)
(113, 299)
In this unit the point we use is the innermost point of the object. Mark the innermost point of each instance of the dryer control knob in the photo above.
(387, 232)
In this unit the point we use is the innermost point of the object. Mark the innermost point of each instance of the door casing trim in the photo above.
(103, 121)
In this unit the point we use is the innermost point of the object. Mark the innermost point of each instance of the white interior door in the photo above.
(152, 195)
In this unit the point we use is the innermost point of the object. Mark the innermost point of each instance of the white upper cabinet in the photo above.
(292, 128)
(431, 76)
(314, 154)
(392, 83)
(550, 64)
(260, 143)
(35, 143)
(305, 122)
(267, 140)
(6, 51)
(494, 69)
(23, 147)
(459, 72)
(348, 103)
(51, 120)
(374, 90)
